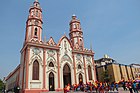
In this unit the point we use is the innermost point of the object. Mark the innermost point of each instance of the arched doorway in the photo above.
(80, 78)
(66, 75)
(51, 82)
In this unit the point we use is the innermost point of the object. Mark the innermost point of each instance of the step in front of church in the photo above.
(79, 92)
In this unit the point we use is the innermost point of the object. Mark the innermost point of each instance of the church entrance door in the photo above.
(80, 78)
(51, 82)
(66, 75)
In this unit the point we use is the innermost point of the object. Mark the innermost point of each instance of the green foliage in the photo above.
(105, 76)
(1, 85)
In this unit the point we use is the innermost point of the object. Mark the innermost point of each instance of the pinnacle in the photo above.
(73, 15)
(36, 0)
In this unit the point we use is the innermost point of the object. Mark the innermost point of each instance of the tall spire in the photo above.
(76, 34)
(34, 22)
(75, 24)
(90, 45)
(36, 1)
(36, 4)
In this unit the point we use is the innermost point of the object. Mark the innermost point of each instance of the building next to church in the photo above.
(136, 71)
(47, 65)
(116, 71)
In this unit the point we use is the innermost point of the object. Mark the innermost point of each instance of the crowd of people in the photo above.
(131, 85)
(103, 87)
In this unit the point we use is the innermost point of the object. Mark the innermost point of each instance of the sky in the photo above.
(111, 27)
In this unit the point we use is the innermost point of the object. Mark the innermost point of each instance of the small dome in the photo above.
(106, 56)
(73, 16)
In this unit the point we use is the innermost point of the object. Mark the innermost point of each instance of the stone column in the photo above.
(95, 77)
(58, 64)
(27, 67)
(74, 69)
(85, 68)
(44, 68)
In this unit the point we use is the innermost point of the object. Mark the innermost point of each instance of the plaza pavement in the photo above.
(120, 91)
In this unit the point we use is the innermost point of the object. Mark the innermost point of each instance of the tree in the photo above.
(1, 85)
(105, 76)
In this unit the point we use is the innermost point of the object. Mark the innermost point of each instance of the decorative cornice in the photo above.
(32, 7)
(38, 44)
(34, 25)
(83, 52)
(30, 18)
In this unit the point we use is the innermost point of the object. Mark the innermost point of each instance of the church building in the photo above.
(49, 66)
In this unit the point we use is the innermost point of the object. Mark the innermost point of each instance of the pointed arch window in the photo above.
(89, 72)
(79, 67)
(35, 70)
(32, 13)
(51, 64)
(66, 69)
(81, 42)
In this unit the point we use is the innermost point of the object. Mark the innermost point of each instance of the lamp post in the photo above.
(16, 89)
(4, 85)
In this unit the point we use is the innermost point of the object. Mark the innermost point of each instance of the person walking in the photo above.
(124, 85)
(130, 87)
(134, 87)
(116, 86)
(139, 86)
(112, 86)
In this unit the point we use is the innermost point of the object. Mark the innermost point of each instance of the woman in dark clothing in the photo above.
(130, 87)
(124, 85)
(139, 86)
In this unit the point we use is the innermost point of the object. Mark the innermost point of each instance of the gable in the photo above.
(51, 42)
(65, 48)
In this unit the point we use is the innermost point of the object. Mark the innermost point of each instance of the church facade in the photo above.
(50, 66)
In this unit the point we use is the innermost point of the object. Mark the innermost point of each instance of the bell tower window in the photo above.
(74, 25)
(36, 22)
(32, 13)
(36, 13)
(81, 43)
(35, 32)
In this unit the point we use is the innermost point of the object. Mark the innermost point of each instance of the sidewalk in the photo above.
(120, 91)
